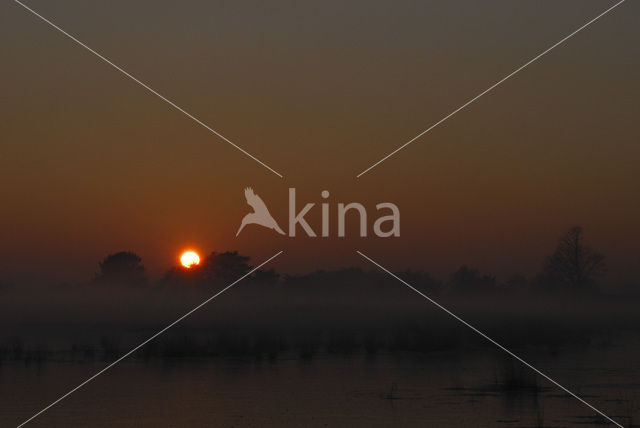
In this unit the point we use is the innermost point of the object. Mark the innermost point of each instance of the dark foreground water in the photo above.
(481, 388)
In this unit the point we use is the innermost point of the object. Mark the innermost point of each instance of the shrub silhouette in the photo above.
(468, 280)
(269, 277)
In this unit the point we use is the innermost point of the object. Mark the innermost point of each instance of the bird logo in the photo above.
(260, 214)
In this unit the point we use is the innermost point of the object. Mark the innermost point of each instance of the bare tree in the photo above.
(574, 266)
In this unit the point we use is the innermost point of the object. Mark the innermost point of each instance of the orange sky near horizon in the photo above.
(91, 163)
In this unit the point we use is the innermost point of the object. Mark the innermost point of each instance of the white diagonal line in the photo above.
(150, 339)
(489, 339)
(491, 88)
(144, 85)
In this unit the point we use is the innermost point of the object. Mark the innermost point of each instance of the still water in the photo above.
(479, 388)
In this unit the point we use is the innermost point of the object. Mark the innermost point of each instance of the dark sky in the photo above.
(91, 163)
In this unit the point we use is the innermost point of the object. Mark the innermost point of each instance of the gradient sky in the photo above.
(91, 163)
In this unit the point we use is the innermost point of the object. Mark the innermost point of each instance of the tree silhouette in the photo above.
(573, 266)
(215, 268)
(227, 265)
(421, 280)
(123, 267)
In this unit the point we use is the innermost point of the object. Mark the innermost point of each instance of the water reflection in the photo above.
(477, 388)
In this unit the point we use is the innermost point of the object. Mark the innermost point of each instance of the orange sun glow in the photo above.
(189, 259)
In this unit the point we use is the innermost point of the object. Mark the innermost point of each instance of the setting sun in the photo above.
(189, 259)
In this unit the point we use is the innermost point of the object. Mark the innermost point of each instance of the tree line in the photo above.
(573, 267)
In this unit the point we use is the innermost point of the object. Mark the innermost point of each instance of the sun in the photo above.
(189, 259)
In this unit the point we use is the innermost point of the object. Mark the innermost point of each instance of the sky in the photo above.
(91, 163)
